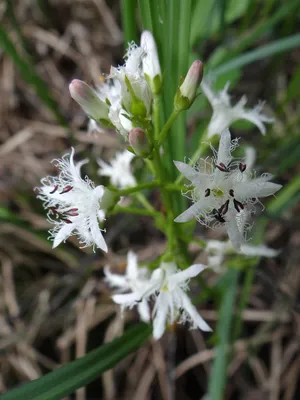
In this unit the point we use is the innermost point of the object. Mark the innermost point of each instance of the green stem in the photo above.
(135, 210)
(156, 116)
(144, 201)
(165, 130)
(172, 187)
(176, 247)
(134, 189)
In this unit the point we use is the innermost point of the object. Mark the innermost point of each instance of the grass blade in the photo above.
(219, 371)
(268, 50)
(128, 8)
(67, 379)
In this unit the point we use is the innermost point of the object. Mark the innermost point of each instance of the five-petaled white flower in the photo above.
(217, 251)
(119, 170)
(73, 204)
(224, 114)
(134, 280)
(167, 286)
(220, 192)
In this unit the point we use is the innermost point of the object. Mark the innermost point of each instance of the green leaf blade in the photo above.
(68, 378)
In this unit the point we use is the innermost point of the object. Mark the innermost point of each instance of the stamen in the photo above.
(54, 190)
(222, 167)
(231, 192)
(238, 205)
(224, 208)
(67, 221)
(54, 210)
(242, 167)
(217, 215)
(73, 212)
(66, 189)
(156, 293)
(207, 192)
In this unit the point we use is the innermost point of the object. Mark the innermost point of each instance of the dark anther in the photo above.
(156, 293)
(66, 189)
(207, 192)
(224, 208)
(54, 210)
(242, 167)
(73, 212)
(238, 205)
(231, 192)
(54, 190)
(67, 221)
(217, 215)
(222, 167)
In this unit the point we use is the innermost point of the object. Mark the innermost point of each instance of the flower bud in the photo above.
(89, 100)
(151, 66)
(139, 142)
(137, 106)
(187, 92)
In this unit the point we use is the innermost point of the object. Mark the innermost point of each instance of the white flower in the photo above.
(224, 114)
(217, 250)
(168, 287)
(134, 280)
(150, 61)
(221, 194)
(136, 96)
(73, 204)
(172, 302)
(119, 170)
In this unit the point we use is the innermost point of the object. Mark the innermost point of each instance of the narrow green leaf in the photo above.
(67, 379)
(284, 197)
(27, 71)
(206, 16)
(128, 8)
(217, 379)
(145, 10)
(248, 37)
(268, 50)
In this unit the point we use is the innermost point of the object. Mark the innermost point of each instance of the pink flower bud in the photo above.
(139, 142)
(89, 100)
(188, 90)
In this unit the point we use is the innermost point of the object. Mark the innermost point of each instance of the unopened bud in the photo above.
(88, 99)
(151, 66)
(137, 106)
(139, 142)
(187, 92)
(109, 200)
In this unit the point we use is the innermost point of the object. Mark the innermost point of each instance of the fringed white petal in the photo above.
(194, 315)
(63, 233)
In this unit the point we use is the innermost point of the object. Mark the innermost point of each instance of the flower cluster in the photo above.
(124, 99)
(223, 192)
(167, 288)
